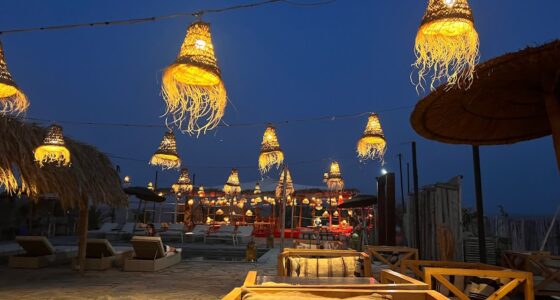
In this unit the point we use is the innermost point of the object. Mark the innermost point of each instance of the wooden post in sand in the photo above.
(82, 235)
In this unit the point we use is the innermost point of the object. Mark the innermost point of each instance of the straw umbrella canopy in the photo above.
(91, 177)
(514, 98)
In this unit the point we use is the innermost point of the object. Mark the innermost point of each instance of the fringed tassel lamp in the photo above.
(271, 154)
(447, 44)
(289, 184)
(372, 144)
(53, 150)
(333, 178)
(192, 85)
(183, 184)
(12, 99)
(166, 155)
(232, 186)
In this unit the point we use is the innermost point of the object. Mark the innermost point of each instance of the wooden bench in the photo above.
(283, 258)
(545, 269)
(378, 253)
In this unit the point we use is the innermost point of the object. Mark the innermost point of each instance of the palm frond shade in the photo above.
(372, 144)
(183, 184)
(334, 178)
(12, 99)
(271, 154)
(53, 150)
(289, 184)
(232, 186)
(166, 155)
(447, 44)
(192, 85)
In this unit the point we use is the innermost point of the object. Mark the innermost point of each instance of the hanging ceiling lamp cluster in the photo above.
(333, 178)
(53, 149)
(192, 85)
(271, 154)
(447, 44)
(166, 155)
(12, 99)
(183, 184)
(372, 144)
(232, 185)
(288, 182)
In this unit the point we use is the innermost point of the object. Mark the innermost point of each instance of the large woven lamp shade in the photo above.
(270, 154)
(333, 178)
(232, 185)
(166, 155)
(12, 99)
(192, 85)
(53, 149)
(183, 184)
(372, 144)
(288, 182)
(446, 45)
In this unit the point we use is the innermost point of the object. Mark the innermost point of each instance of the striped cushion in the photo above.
(322, 267)
(482, 287)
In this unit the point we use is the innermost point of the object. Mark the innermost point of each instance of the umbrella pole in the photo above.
(479, 205)
(552, 102)
(83, 234)
(416, 198)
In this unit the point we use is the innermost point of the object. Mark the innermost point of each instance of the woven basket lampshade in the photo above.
(325, 214)
(232, 186)
(334, 178)
(166, 155)
(305, 201)
(446, 44)
(271, 154)
(183, 184)
(257, 190)
(53, 150)
(289, 184)
(249, 213)
(12, 99)
(201, 192)
(219, 212)
(372, 144)
(192, 85)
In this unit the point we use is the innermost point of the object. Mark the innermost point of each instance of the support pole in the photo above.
(416, 197)
(402, 184)
(283, 212)
(479, 205)
(83, 229)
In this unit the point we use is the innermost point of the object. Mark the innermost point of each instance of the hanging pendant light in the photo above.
(372, 144)
(201, 192)
(249, 213)
(232, 186)
(447, 44)
(166, 155)
(53, 150)
(219, 212)
(192, 85)
(289, 184)
(12, 99)
(334, 178)
(183, 184)
(271, 154)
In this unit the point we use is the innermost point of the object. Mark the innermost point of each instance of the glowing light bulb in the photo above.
(200, 44)
(449, 3)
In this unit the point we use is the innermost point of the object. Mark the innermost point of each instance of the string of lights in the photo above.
(133, 21)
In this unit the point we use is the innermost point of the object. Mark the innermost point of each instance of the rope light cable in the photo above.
(162, 17)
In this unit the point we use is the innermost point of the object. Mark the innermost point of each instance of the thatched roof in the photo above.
(504, 105)
(91, 172)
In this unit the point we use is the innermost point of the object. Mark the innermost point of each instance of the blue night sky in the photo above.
(279, 62)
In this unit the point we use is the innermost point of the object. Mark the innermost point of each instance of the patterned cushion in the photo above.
(323, 267)
(294, 295)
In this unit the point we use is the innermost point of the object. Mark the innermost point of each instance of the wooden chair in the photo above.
(416, 267)
(378, 253)
(283, 258)
(545, 269)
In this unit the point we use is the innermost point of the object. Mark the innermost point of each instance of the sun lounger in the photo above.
(100, 255)
(174, 231)
(226, 232)
(101, 232)
(243, 234)
(199, 231)
(150, 255)
(125, 232)
(39, 253)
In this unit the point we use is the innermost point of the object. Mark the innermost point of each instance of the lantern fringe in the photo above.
(57, 155)
(371, 147)
(206, 102)
(15, 103)
(270, 158)
(165, 161)
(448, 49)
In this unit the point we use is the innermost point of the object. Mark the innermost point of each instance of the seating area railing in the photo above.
(544, 267)
(392, 256)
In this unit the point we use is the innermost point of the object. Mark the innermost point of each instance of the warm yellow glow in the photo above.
(219, 212)
(126, 179)
(240, 205)
(350, 212)
(201, 192)
(257, 190)
(334, 178)
(190, 202)
(372, 144)
(249, 213)
(305, 201)
(319, 207)
(446, 44)
(12, 99)
(289, 184)
(325, 214)
(209, 220)
(335, 214)
(232, 186)
(150, 186)
(8, 181)
(183, 183)
(166, 155)
(53, 150)
(192, 86)
(271, 154)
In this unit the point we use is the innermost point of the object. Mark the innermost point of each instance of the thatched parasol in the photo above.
(91, 177)
(514, 98)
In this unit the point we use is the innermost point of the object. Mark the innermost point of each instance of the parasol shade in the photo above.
(359, 201)
(143, 193)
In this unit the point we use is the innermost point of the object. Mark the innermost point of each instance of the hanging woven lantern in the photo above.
(53, 149)
(201, 192)
(240, 204)
(183, 184)
(271, 154)
(305, 201)
(190, 202)
(334, 178)
(166, 155)
(249, 213)
(335, 214)
(219, 212)
(372, 144)
(447, 44)
(192, 85)
(150, 186)
(232, 186)
(325, 214)
(257, 190)
(12, 99)
(289, 184)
